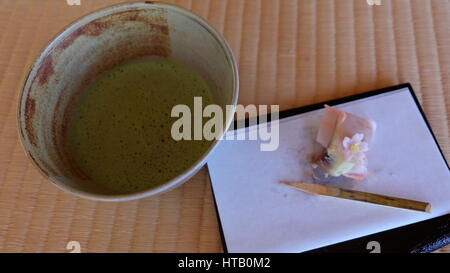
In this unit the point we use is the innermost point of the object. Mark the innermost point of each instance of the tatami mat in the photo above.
(290, 53)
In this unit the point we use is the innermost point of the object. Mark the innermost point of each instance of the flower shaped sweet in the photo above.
(354, 148)
(345, 138)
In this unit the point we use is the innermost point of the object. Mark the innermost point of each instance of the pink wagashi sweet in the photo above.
(346, 139)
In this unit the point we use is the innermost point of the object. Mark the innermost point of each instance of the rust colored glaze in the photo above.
(156, 43)
(92, 29)
(35, 162)
(96, 27)
(46, 70)
(30, 109)
(164, 29)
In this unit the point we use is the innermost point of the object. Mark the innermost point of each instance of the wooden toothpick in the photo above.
(361, 196)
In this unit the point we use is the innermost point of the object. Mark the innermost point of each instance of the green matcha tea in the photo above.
(119, 133)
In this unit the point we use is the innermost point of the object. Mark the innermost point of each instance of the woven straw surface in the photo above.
(290, 53)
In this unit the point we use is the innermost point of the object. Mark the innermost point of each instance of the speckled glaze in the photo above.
(96, 43)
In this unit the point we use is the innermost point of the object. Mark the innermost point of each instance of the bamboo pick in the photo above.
(361, 196)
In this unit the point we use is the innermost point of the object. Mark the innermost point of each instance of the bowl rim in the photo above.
(182, 177)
